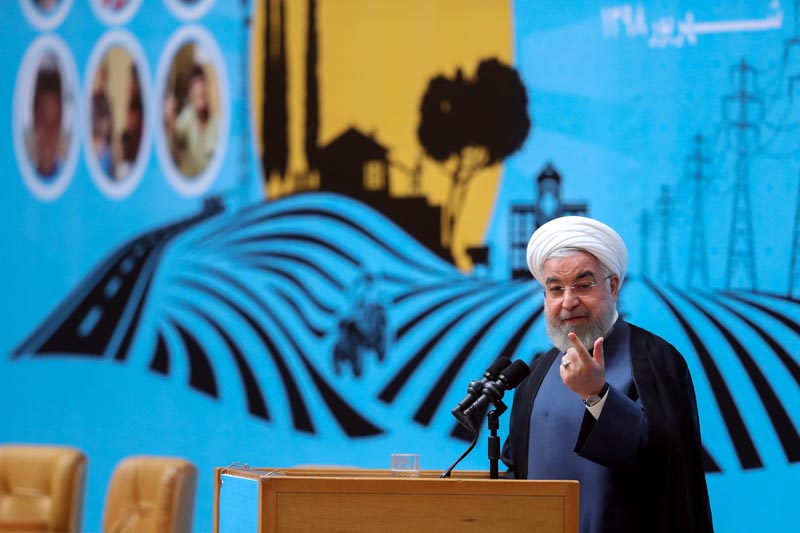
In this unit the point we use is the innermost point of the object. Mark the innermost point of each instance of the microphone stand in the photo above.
(493, 445)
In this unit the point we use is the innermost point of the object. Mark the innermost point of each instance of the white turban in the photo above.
(580, 233)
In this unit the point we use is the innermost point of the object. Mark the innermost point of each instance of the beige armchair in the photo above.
(41, 488)
(150, 494)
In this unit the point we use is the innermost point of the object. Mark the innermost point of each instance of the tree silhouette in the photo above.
(471, 124)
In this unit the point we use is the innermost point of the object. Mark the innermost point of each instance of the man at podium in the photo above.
(611, 405)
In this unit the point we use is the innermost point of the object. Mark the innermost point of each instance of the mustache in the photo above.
(567, 316)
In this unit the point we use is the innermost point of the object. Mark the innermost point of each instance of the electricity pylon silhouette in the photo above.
(748, 110)
(698, 262)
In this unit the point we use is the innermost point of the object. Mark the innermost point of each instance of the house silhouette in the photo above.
(356, 165)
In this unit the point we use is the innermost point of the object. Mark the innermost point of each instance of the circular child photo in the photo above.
(194, 118)
(117, 122)
(44, 117)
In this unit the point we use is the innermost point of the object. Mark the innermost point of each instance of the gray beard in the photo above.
(598, 326)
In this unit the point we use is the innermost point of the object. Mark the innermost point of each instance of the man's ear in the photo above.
(614, 282)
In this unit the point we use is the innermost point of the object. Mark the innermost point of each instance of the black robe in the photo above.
(669, 470)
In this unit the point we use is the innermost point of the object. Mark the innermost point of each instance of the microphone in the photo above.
(494, 390)
(475, 387)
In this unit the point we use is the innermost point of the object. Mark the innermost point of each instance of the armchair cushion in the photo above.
(151, 494)
(41, 488)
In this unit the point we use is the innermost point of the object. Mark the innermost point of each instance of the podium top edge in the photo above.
(360, 473)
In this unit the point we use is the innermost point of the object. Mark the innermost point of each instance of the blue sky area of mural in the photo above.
(616, 107)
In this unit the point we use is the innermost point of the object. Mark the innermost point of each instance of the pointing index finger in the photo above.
(578, 345)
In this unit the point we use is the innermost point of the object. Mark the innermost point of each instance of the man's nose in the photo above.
(570, 299)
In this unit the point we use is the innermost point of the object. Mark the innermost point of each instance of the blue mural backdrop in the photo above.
(158, 300)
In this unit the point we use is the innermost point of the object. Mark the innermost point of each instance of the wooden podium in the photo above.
(353, 500)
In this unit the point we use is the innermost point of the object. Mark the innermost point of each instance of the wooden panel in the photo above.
(389, 513)
(339, 499)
